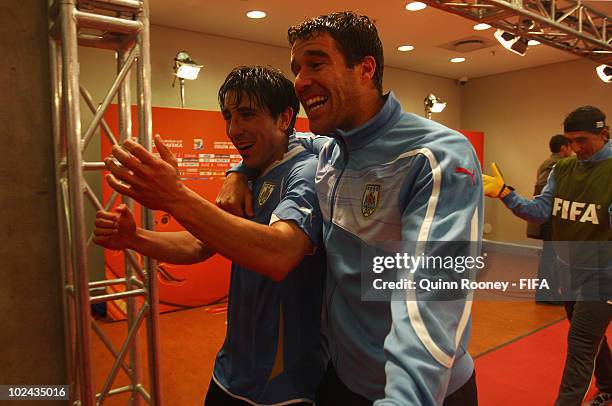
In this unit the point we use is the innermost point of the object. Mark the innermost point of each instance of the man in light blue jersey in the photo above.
(273, 352)
(385, 176)
(577, 200)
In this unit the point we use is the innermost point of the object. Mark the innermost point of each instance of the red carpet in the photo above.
(525, 372)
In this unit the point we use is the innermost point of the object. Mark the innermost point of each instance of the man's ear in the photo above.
(368, 68)
(285, 118)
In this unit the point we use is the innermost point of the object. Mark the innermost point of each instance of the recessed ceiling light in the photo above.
(457, 60)
(256, 14)
(415, 6)
(533, 42)
(482, 26)
(405, 48)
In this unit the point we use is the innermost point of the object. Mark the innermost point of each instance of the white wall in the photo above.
(219, 55)
(519, 112)
(412, 87)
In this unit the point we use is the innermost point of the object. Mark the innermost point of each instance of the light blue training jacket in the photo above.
(398, 177)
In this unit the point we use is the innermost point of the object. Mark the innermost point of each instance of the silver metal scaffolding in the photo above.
(568, 25)
(121, 26)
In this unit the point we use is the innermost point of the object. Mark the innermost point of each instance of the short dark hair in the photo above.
(556, 142)
(355, 34)
(585, 118)
(265, 86)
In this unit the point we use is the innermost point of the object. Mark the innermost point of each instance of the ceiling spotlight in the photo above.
(415, 6)
(184, 68)
(457, 60)
(256, 14)
(482, 27)
(605, 73)
(405, 48)
(433, 104)
(533, 42)
(519, 47)
(505, 38)
(511, 42)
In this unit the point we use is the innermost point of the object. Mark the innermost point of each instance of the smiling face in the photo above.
(333, 94)
(585, 144)
(260, 138)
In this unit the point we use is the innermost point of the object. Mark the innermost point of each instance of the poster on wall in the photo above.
(198, 140)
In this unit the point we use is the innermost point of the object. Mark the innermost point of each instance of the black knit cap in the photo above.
(585, 118)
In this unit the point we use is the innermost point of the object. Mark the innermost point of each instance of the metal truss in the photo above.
(564, 24)
(123, 27)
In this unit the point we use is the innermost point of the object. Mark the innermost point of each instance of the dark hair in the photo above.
(585, 118)
(265, 86)
(556, 142)
(355, 34)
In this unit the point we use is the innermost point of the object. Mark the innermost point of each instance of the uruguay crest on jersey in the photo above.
(266, 190)
(371, 196)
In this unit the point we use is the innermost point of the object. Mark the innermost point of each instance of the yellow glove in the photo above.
(494, 186)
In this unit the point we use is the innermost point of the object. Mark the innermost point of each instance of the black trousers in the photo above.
(546, 270)
(216, 396)
(587, 352)
(333, 392)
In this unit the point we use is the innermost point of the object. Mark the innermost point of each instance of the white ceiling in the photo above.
(426, 30)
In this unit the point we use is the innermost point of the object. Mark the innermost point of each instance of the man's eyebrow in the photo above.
(245, 109)
(316, 52)
(240, 109)
(309, 53)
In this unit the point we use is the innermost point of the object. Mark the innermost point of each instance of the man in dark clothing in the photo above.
(577, 199)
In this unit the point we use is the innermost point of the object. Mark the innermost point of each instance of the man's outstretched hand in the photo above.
(494, 186)
(151, 181)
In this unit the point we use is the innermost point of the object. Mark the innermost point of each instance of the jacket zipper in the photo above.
(344, 155)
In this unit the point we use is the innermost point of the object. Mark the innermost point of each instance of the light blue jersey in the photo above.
(273, 352)
(399, 177)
